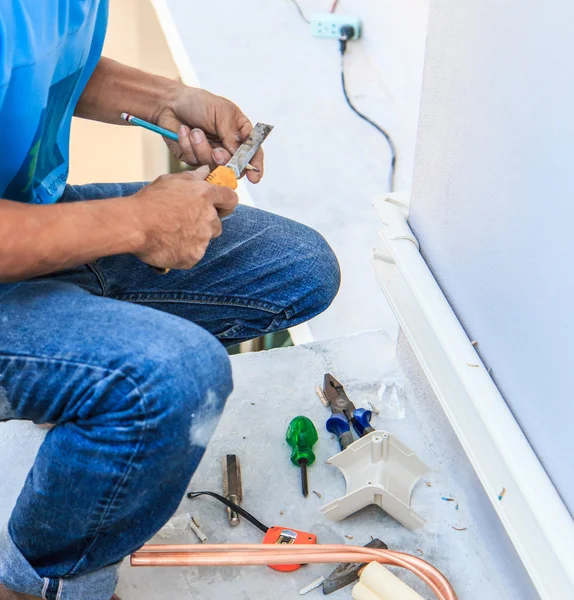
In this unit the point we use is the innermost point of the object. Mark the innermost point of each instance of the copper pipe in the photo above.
(260, 554)
(397, 557)
(180, 559)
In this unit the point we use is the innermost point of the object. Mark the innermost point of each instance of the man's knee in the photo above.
(330, 281)
(192, 380)
(179, 383)
(187, 391)
(320, 274)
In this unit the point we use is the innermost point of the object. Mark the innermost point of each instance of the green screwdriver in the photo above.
(302, 436)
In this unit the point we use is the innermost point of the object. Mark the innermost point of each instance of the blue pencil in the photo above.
(146, 125)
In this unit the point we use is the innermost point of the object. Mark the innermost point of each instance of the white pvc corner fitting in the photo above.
(378, 469)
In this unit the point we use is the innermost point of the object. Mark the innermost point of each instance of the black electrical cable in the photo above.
(300, 11)
(232, 506)
(346, 34)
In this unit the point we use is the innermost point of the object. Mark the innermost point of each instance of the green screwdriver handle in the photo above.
(302, 436)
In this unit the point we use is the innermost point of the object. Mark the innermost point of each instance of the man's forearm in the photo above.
(115, 88)
(40, 239)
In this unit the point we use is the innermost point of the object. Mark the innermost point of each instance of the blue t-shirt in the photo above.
(48, 51)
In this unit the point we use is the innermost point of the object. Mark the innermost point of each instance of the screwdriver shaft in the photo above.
(304, 482)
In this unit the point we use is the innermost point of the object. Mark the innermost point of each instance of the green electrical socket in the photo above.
(329, 25)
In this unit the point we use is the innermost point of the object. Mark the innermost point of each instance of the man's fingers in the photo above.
(220, 156)
(226, 200)
(257, 161)
(232, 139)
(199, 173)
(201, 147)
(233, 128)
(216, 227)
(186, 149)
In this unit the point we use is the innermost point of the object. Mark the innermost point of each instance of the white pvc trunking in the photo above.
(535, 518)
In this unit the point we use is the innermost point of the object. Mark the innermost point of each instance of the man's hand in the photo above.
(167, 224)
(179, 215)
(210, 129)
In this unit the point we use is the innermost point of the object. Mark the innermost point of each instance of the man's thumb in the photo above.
(200, 173)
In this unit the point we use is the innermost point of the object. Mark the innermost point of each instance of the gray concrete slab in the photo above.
(270, 389)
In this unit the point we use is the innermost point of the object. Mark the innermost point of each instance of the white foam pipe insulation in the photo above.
(378, 583)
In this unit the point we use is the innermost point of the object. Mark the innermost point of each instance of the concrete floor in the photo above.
(270, 389)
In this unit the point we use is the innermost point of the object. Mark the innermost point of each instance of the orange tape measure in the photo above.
(273, 535)
(282, 535)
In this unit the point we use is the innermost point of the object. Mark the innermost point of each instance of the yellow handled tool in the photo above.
(228, 175)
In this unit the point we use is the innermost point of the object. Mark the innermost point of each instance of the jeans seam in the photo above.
(69, 361)
(230, 331)
(99, 276)
(179, 298)
(233, 332)
(275, 323)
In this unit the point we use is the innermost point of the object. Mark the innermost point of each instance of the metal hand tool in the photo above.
(344, 413)
(347, 573)
(302, 436)
(228, 175)
(232, 488)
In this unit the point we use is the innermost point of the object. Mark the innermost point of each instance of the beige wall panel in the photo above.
(107, 153)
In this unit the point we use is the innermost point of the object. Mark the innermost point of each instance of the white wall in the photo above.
(385, 70)
(493, 200)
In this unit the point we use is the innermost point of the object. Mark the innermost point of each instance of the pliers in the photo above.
(344, 413)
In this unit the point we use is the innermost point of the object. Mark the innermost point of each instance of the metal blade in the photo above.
(335, 394)
(232, 476)
(347, 573)
(247, 150)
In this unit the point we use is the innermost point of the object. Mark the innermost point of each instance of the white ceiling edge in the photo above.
(533, 514)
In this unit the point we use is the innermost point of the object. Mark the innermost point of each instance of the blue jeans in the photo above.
(130, 366)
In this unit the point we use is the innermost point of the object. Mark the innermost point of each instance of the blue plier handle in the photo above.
(362, 421)
(344, 413)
